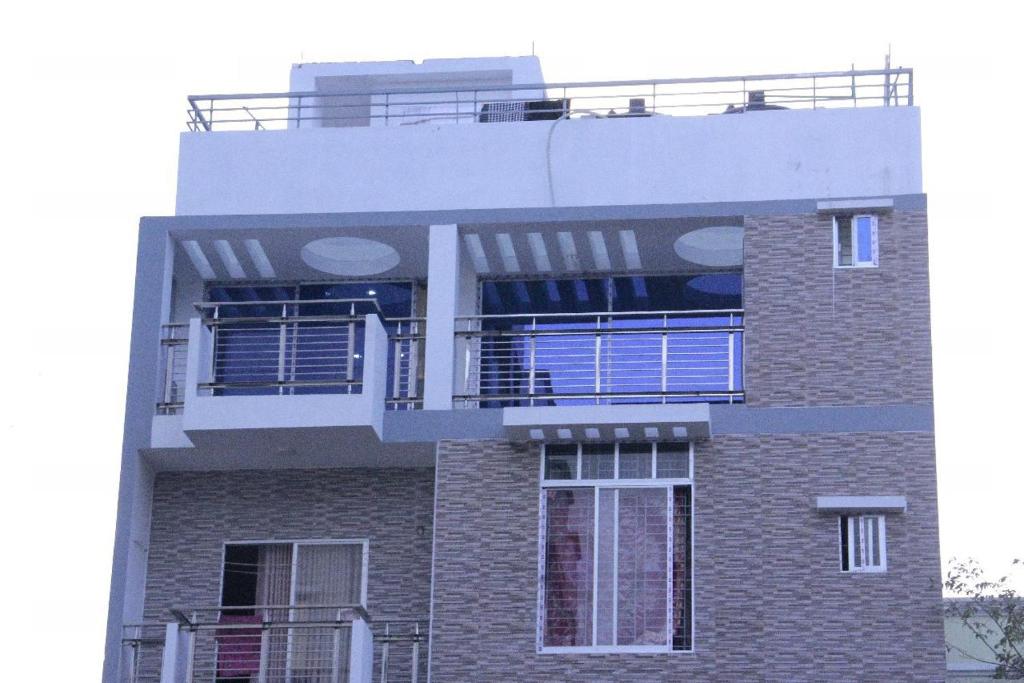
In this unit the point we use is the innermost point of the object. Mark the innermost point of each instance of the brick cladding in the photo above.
(194, 513)
(861, 338)
(771, 603)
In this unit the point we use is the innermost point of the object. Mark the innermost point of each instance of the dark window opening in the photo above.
(682, 569)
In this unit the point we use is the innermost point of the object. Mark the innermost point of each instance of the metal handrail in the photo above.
(617, 314)
(567, 84)
(182, 615)
(586, 359)
(801, 90)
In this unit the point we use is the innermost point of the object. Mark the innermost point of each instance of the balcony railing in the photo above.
(274, 644)
(142, 650)
(552, 101)
(290, 348)
(606, 358)
(173, 360)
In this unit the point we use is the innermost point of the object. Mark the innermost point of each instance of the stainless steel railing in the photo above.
(406, 345)
(588, 358)
(552, 101)
(142, 648)
(173, 359)
(286, 351)
(292, 351)
(276, 644)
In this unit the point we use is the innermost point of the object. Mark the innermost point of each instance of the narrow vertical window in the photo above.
(862, 543)
(569, 567)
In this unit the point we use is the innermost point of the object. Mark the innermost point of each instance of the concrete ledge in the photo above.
(607, 423)
(885, 203)
(862, 503)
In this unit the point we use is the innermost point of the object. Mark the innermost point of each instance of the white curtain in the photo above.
(274, 587)
(325, 575)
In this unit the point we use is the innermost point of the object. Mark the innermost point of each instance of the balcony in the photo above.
(274, 644)
(601, 359)
(243, 371)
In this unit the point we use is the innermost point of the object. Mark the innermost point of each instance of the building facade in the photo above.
(440, 372)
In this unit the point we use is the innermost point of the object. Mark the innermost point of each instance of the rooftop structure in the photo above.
(440, 372)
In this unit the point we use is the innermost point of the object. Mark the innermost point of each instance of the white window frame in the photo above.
(850, 223)
(666, 484)
(295, 543)
(863, 553)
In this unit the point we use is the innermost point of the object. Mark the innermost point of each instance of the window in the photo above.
(302, 573)
(862, 543)
(286, 582)
(616, 538)
(855, 241)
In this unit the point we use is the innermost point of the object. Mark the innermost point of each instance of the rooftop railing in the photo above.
(552, 101)
(601, 358)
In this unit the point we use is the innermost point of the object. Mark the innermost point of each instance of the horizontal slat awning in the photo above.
(608, 422)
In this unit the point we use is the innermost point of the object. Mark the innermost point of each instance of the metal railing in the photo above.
(273, 644)
(401, 644)
(406, 345)
(552, 101)
(292, 351)
(173, 359)
(285, 347)
(588, 358)
(142, 649)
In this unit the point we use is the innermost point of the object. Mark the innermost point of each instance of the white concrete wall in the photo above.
(659, 160)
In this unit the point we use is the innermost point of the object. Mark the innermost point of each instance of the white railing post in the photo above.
(263, 672)
(336, 651)
(385, 651)
(282, 346)
(199, 360)
(533, 359)
(360, 656)
(169, 663)
(413, 366)
(415, 672)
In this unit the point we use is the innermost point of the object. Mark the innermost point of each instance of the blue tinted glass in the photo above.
(504, 297)
(864, 251)
(394, 298)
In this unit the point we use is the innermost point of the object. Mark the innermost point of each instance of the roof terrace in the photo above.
(343, 103)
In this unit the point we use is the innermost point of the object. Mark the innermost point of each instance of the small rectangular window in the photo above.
(855, 241)
(862, 543)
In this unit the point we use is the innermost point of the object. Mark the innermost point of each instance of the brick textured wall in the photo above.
(194, 513)
(817, 335)
(771, 603)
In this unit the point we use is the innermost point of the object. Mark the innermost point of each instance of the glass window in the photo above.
(598, 461)
(862, 543)
(616, 571)
(855, 241)
(561, 462)
(673, 461)
(635, 461)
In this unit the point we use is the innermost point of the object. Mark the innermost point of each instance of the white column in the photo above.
(375, 372)
(442, 301)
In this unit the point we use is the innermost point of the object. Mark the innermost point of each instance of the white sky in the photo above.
(93, 104)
